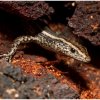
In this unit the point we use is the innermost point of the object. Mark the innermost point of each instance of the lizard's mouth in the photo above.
(87, 59)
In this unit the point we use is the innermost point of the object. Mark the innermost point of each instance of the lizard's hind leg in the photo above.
(17, 42)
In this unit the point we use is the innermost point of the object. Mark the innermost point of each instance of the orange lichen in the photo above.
(29, 66)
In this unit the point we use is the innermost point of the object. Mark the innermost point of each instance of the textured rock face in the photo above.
(32, 10)
(16, 84)
(33, 74)
(86, 21)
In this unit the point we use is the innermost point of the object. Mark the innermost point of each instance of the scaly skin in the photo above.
(49, 41)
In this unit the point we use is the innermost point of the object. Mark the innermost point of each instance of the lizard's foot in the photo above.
(7, 57)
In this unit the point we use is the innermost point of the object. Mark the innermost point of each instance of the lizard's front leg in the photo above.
(17, 42)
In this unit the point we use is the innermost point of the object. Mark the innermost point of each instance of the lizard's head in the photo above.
(62, 45)
(81, 55)
(77, 51)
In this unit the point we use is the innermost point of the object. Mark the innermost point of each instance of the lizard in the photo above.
(56, 43)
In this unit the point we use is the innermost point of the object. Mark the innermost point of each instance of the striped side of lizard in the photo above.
(50, 41)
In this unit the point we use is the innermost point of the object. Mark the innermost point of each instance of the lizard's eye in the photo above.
(72, 50)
